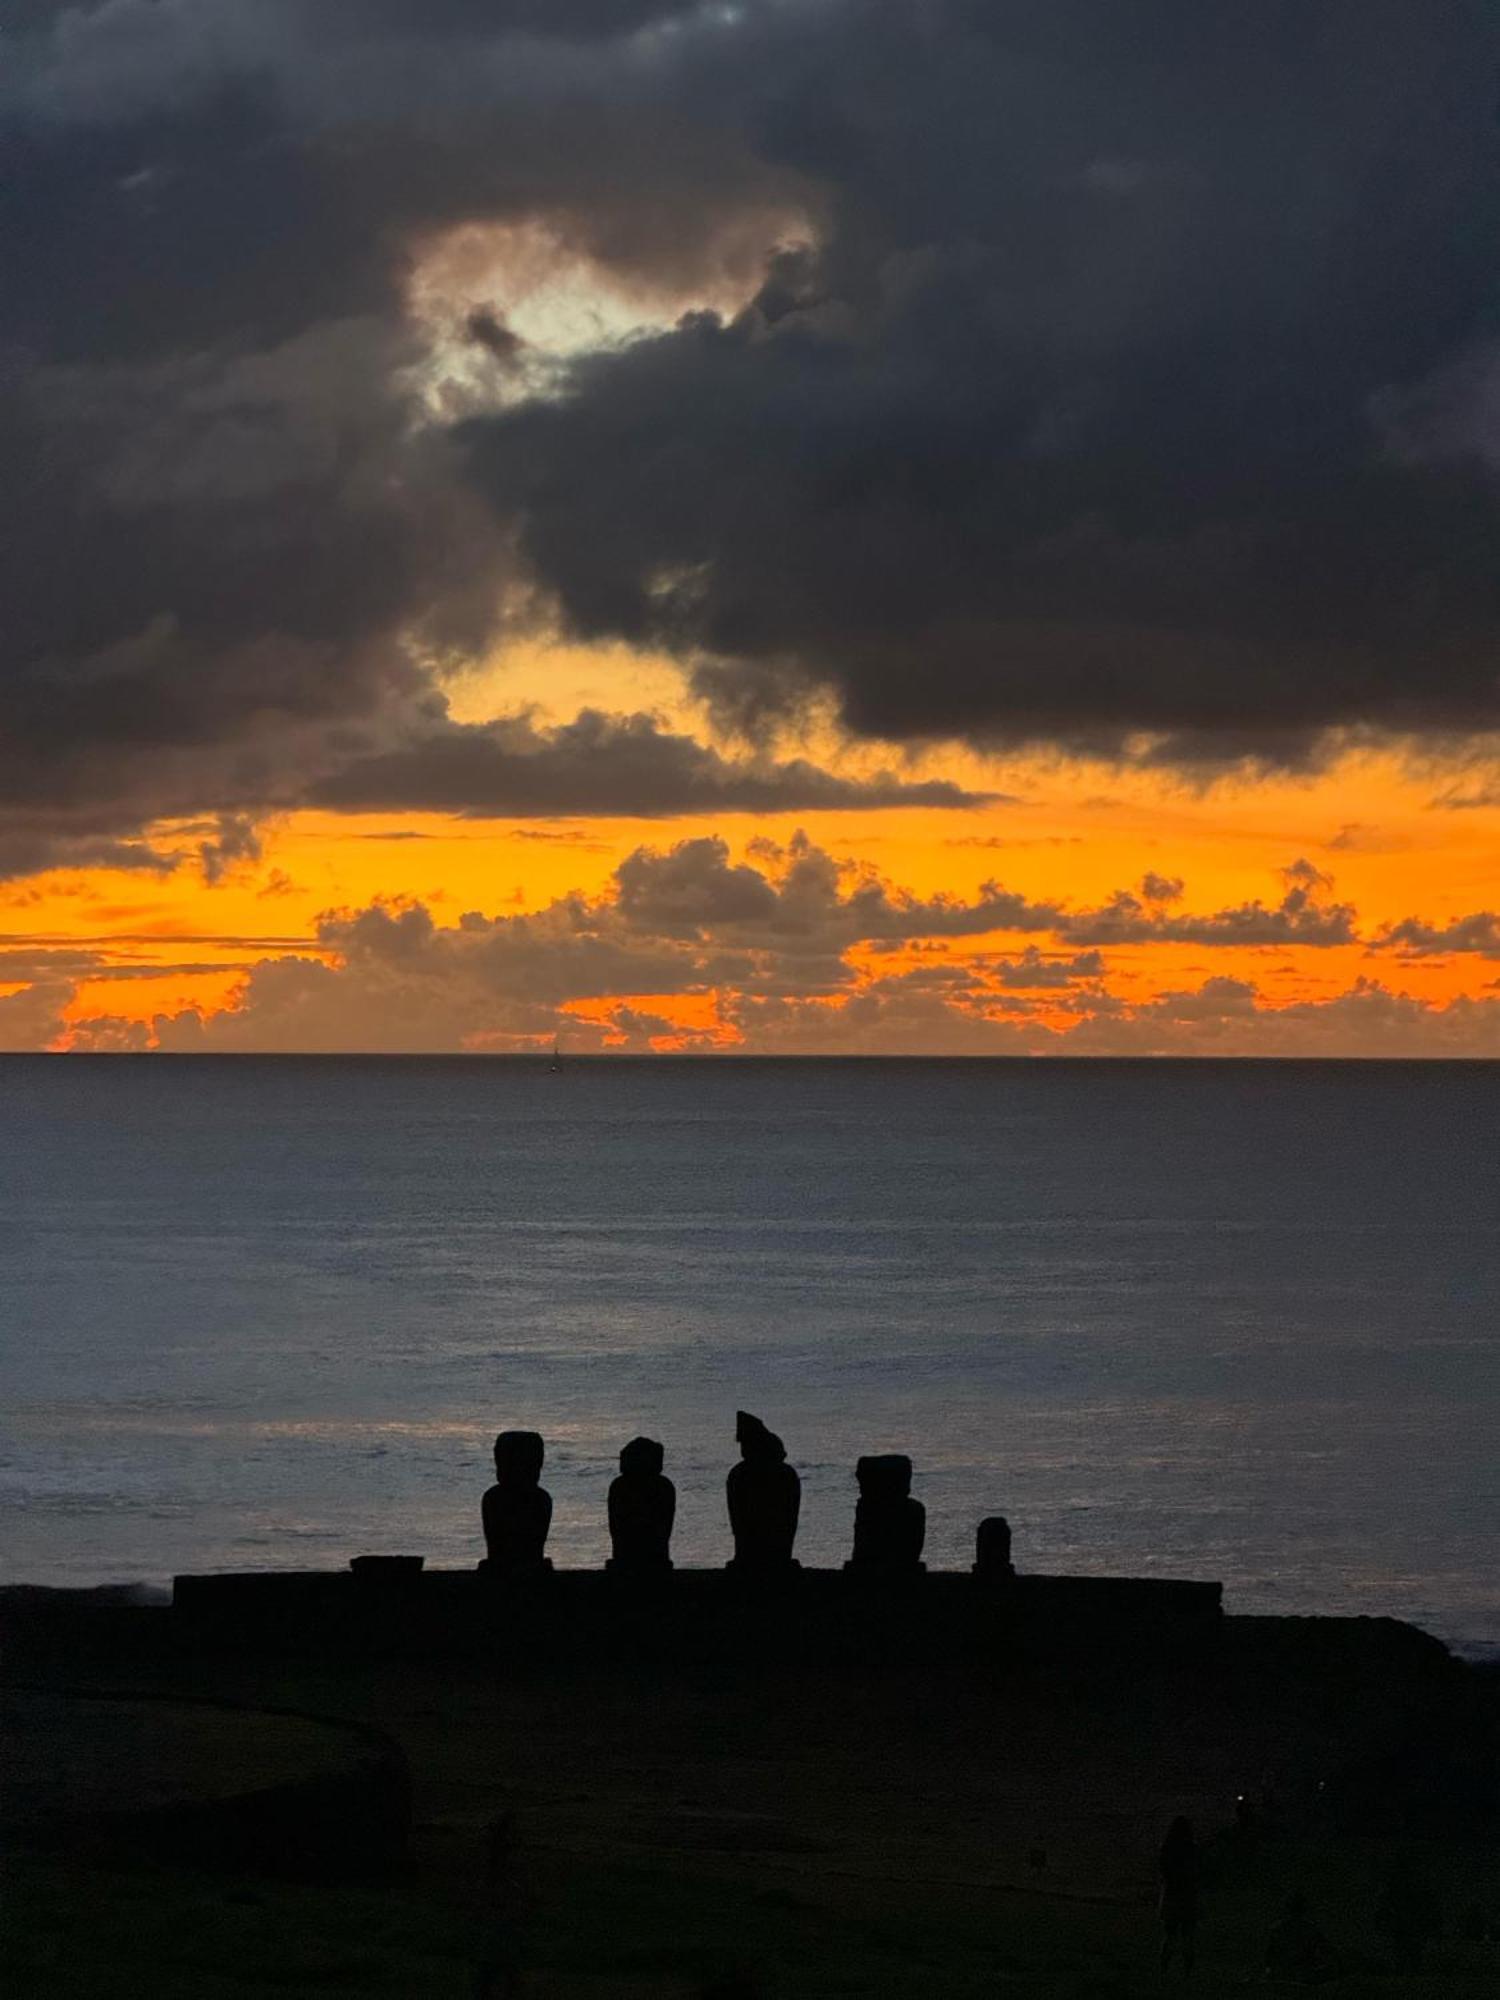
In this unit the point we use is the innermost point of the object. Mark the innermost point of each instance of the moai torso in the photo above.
(642, 1508)
(516, 1511)
(889, 1526)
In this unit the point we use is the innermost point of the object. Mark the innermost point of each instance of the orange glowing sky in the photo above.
(137, 959)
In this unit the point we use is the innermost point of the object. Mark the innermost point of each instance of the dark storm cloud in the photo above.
(1093, 414)
(221, 513)
(26, 850)
(487, 330)
(620, 766)
(1138, 393)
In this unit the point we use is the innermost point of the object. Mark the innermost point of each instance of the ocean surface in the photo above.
(1234, 1320)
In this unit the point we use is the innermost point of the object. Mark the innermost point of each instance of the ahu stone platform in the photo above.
(593, 1618)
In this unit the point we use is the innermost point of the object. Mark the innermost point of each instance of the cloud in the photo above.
(1474, 801)
(34, 848)
(234, 839)
(613, 766)
(33, 1017)
(1086, 421)
(51, 966)
(1125, 390)
(685, 920)
(1303, 916)
(1161, 888)
(1033, 968)
(230, 525)
(786, 948)
(1477, 932)
(1227, 1017)
(487, 330)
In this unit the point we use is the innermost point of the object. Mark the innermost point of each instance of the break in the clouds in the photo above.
(1052, 371)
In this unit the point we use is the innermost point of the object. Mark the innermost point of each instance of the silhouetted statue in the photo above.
(642, 1506)
(516, 1511)
(1177, 1865)
(765, 1497)
(889, 1526)
(992, 1549)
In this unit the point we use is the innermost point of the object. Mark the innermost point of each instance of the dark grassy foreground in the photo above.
(833, 1834)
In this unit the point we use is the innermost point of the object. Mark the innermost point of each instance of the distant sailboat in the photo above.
(554, 1068)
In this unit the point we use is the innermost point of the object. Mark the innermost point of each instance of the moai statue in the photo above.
(642, 1506)
(992, 1550)
(889, 1526)
(517, 1511)
(765, 1497)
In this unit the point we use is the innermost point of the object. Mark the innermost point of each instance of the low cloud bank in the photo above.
(786, 950)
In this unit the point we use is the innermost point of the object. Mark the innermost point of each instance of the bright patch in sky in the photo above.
(505, 307)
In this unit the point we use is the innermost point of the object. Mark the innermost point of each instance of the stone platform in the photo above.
(806, 1617)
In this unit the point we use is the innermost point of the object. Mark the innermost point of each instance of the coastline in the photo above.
(157, 1594)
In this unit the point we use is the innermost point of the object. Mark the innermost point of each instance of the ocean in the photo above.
(1233, 1320)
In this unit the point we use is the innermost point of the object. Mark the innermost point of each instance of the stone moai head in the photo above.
(642, 1458)
(992, 1549)
(756, 1443)
(884, 1476)
(518, 1458)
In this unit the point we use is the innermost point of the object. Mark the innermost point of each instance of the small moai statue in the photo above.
(765, 1498)
(992, 1550)
(517, 1510)
(642, 1507)
(889, 1526)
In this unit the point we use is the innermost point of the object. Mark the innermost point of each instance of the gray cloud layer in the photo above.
(626, 766)
(1099, 409)
(1142, 377)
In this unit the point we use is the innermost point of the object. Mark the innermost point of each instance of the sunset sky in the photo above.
(838, 526)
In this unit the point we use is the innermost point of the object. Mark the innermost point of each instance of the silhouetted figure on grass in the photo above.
(1177, 1866)
(765, 1497)
(516, 1511)
(1296, 1950)
(1408, 1915)
(497, 1953)
(642, 1507)
(889, 1526)
(992, 1550)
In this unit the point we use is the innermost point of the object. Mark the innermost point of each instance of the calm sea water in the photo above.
(1227, 1320)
